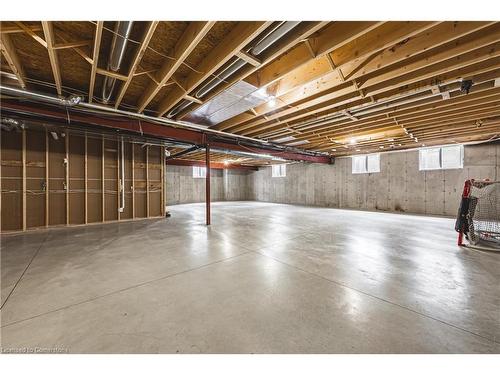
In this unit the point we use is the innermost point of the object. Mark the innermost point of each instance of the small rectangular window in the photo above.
(366, 163)
(447, 157)
(279, 170)
(452, 157)
(373, 163)
(359, 164)
(429, 159)
(199, 172)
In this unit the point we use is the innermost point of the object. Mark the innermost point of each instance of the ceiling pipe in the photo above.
(238, 63)
(118, 47)
(75, 102)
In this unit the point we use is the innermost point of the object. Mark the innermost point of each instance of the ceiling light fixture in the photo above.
(272, 101)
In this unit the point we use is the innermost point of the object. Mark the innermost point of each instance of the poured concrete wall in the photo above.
(227, 184)
(399, 186)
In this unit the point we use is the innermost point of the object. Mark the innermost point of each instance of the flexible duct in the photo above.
(118, 47)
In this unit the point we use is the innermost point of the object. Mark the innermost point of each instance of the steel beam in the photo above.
(159, 131)
(213, 165)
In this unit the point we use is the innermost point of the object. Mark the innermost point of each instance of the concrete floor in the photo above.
(264, 278)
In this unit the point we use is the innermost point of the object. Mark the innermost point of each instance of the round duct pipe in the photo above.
(118, 47)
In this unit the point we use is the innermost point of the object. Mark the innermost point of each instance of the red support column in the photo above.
(207, 182)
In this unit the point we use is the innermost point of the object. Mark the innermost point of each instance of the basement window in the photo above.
(199, 172)
(279, 170)
(446, 157)
(366, 163)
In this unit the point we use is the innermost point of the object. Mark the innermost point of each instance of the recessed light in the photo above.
(272, 101)
(352, 141)
(334, 149)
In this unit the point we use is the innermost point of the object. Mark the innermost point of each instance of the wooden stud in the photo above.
(18, 29)
(186, 44)
(48, 31)
(82, 43)
(238, 38)
(31, 32)
(118, 179)
(86, 182)
(24, 177)
(245, 56)
(109, 73)
(103, 184)
(162, 161)
(147, 181)
(66, 169)
(47, 186)
(95, 58)
(12, 59)
(295, 38)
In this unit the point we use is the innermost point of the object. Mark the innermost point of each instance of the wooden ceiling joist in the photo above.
(423, 105)
(48, 32)
(82, 43)
(332, 79)
(237, 39)
(390, 85)
(137, 59)
(32, 32)
(296, 37)
(10, 54)
(18, 29)
(431, 39)
(322, 121)
(452, 70)
(194, 33)
(297, 63)
(95, 58)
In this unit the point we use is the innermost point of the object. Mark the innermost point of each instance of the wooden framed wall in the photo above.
(154, 181)
(12, 181)
(140, 191)
(66, 178)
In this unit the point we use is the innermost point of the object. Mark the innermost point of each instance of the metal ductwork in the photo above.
(267, 41)
(97, 108)
(118, 47)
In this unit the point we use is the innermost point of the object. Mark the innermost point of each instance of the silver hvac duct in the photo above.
(238, 63)
(74, 101)
(118, 47)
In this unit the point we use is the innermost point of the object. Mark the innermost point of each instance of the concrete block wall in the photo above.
(228, 184)
(398, 187)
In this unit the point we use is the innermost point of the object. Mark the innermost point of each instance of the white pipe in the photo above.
(122, 182)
